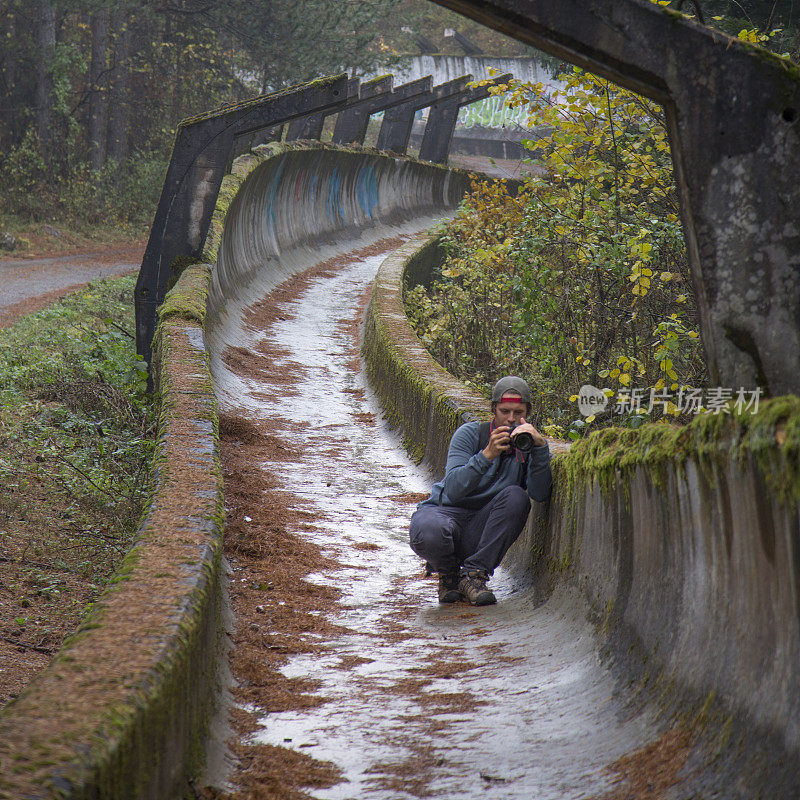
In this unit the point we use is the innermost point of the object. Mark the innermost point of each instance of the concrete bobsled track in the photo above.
(681, 547)
(647, 637)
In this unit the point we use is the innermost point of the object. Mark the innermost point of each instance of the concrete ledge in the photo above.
(685, 541)
(123, 710)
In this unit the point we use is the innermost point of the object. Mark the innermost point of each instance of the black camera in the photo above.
(523, 441)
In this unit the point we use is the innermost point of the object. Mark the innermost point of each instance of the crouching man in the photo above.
(480, 507)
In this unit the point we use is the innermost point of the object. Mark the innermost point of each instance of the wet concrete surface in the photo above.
(421, 700)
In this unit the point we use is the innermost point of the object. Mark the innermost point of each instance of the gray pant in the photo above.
(450, 538)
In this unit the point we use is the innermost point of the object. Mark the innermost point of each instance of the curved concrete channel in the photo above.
(422, 700)
(407, 698)
(589, 679)
(648, 645)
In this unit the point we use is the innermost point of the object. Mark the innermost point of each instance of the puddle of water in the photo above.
(508, 701)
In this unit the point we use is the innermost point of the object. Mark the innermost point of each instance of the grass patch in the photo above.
(76, 439)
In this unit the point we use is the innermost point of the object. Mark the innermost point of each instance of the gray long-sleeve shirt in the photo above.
(471, 480)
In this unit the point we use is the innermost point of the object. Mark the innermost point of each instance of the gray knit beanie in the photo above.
(511, 384)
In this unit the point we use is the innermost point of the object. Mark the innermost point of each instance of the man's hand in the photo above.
(499, 442)
(538, 439)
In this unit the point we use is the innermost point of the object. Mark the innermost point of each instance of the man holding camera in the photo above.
(480, 507)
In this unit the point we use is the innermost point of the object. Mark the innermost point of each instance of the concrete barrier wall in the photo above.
(289, 199)
(420, 398)
(685, 541)
(124, 708)
(688, 541)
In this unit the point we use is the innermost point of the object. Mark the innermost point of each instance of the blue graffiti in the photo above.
(272, 191)
(367, 189)
(312, 186)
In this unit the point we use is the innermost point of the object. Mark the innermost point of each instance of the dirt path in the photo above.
(353, 681)
(29, 284)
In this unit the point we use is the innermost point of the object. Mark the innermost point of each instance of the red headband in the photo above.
(510, 397)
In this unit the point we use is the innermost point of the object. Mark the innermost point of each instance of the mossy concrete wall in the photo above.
(685, 542)
(420, 398)
(124, 708)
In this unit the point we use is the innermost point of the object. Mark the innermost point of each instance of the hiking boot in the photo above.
(473, 586)
(448, 588)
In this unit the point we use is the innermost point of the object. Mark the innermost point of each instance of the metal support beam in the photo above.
(397, 121)
(733, 115)
(310, 127)
(200, 157)
(443, 116)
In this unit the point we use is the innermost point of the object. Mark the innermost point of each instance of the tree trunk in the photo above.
(8, 115)
(98, 92)
(118, 92)
(45, 49)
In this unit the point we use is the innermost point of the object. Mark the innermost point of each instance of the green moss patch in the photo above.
(770, 438)
(188, 301)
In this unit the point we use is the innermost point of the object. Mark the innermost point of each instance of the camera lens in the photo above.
(523, 441)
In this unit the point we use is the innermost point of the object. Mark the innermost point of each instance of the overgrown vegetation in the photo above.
(91, 92)
(582, 276)
(770, 23)
(76, 439)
